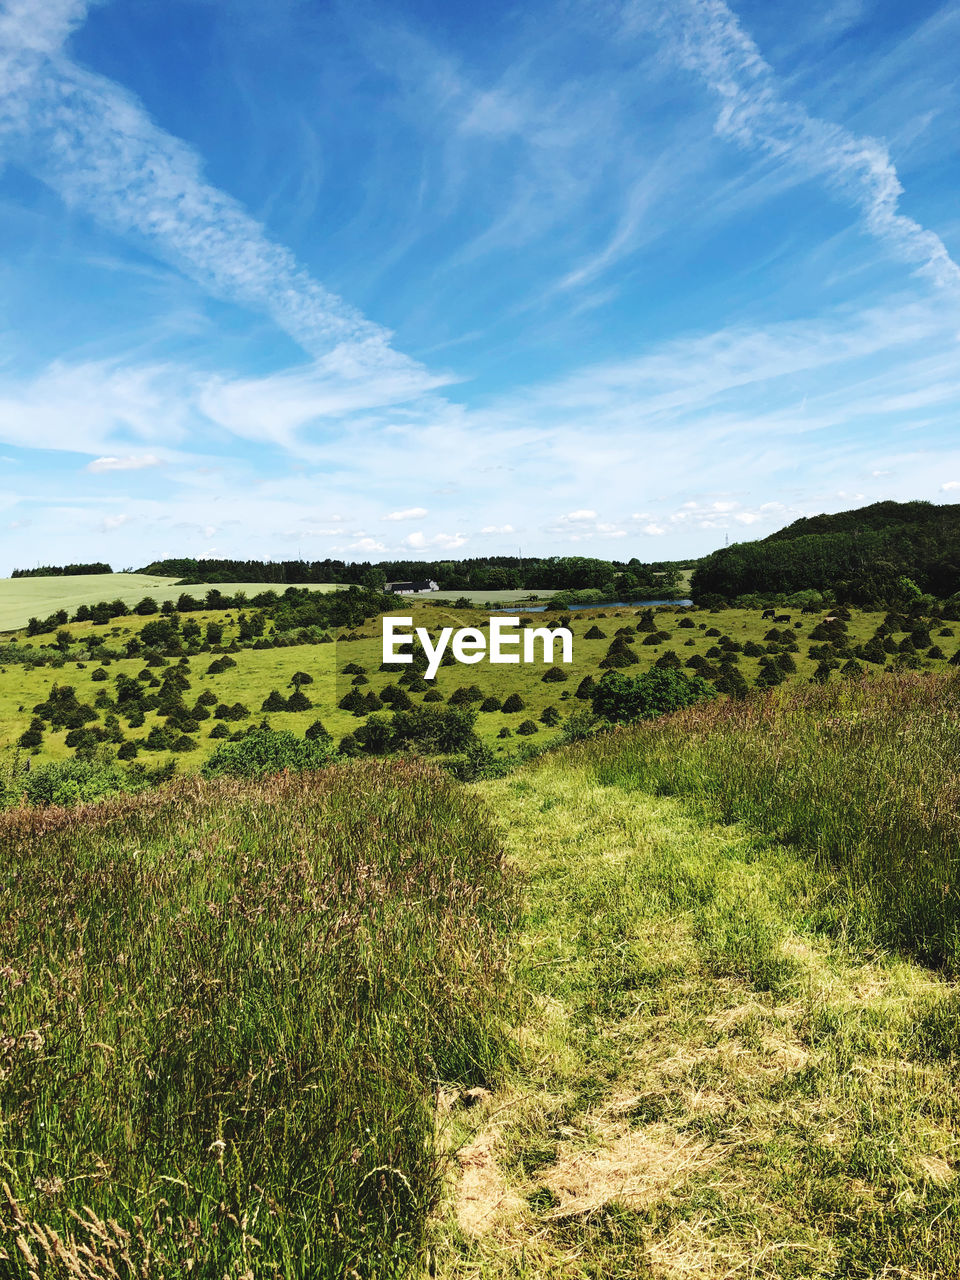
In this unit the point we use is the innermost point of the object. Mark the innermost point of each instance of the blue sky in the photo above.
(373, 280)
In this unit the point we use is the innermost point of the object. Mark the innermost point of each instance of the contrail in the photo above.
(706, 37)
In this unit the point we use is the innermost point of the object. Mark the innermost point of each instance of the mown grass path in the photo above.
(710, 1078)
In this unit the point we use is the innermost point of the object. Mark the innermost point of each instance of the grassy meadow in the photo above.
(680, 1000)
(689, 634)
(659, 1004)
(226, 1010)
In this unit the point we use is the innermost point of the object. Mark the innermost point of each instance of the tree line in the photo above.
(487, 573)
(61, 570)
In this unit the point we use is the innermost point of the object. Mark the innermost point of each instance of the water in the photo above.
(607, 604)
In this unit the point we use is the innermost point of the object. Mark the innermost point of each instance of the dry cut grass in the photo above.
(721, 1072)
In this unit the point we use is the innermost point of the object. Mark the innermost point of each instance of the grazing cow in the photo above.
(782, 617)
(768, 613)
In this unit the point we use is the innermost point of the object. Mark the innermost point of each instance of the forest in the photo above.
(860, 556)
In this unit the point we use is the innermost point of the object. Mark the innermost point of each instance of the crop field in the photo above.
(24, 598)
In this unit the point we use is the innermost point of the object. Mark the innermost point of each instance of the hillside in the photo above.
(654, 1005)
(167, 689)
(858, 555)
(25, 597)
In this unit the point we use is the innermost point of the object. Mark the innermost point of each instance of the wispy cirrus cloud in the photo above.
(706, 37)
(93, 143)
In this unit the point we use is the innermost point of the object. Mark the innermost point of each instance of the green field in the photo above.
(481, 597)
(24, 598)
(258, 671)
(651, 1007)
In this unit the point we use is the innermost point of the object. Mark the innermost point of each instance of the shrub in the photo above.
(236, 712)
(554, 675)
(274, 701)
(624, 699)
(266, 751)
(317, 732)
(526, 728)
(515, 703)
(668, 660)
(435, 730)
(69, 782)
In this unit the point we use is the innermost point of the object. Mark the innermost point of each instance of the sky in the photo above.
(427, 279)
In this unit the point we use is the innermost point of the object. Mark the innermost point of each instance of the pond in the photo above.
(607, 604)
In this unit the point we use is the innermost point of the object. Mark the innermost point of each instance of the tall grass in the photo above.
(224, 1008)
(863, 774)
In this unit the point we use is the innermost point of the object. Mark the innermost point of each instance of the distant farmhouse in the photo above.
(412, 588)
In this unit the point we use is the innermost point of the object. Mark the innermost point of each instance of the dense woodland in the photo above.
(860, 556)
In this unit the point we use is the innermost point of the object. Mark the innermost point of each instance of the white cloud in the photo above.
(409, 513)
(367, 544)
(573, 517)
(950, 486)
(497, 528)
(419, 541)
(655, 530)
(130, 463)
(114, 522)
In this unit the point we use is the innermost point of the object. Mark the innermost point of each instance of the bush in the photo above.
(435, 730)
(624, 699)
(526, 728)
(70, 782)
(515, 703)
(554, 675)
(267, 751)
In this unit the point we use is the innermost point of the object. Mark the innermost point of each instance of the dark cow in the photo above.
(782, 617)
(768, 613)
